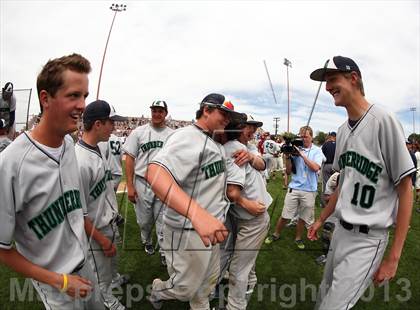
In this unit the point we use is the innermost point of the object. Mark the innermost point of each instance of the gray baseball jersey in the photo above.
(370, 171)
(96, 180)
(112, 151)
(4, 142)
(251, 180)
(197, 164)
(270, 147)
(143, 144)
(42, 206)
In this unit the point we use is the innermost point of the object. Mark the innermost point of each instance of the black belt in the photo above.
(79, 267)
(364, 229)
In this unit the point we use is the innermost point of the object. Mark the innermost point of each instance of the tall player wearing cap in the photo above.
(189, 175)
(375, 170)
(141, 147)
(102, 206)
(43, 206)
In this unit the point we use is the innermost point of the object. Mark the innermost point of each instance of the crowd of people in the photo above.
(202, 184)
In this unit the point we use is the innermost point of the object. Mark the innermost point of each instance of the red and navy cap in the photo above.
(336, 64)
(218, 101)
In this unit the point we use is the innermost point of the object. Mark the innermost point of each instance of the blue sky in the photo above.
(180, 51)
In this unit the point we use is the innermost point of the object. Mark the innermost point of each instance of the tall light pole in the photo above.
(116, 8)
(413, 109)
(288, 64)
(276, 126)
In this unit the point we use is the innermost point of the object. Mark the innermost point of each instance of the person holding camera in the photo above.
(303, 164)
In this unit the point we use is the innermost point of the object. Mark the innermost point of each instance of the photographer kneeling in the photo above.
(304, 164)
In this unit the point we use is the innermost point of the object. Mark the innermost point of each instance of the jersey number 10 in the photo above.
(366, 197)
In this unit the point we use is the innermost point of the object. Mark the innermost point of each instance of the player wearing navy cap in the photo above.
(375, 169)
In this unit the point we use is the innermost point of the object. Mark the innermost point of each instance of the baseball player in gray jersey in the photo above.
(112, 150)
(189, 175)
(141, 147)
(102, 207)
(375, 170)
(251, 223)
(8, 109)
(43, 206)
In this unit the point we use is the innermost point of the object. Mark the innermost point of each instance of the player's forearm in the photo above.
(234, 193)
(330, 207)
(92, 232)
(168, 191)
(258, 163)
(403, 218)
(14, 260)
(129, 169)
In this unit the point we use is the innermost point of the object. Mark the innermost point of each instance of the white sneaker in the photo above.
(154, 301)
(114, 305)
(120, 280)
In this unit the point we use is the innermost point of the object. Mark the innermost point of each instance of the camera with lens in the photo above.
(288, 147)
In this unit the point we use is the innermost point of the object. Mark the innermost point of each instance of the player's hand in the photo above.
(386, 271)
(108, 248)
(131, 193)
(254, 207)
(242, 157)
(78, 286)
(210, 229)
(313, 229)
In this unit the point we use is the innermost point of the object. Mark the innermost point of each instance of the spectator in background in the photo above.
(328, 149)
(300, 197)
(7, 109)
(410, 146)
(416, 149)
(4, 139)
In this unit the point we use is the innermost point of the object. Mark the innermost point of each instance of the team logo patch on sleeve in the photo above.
(54, 215)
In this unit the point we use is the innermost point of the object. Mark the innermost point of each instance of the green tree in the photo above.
(320, 138)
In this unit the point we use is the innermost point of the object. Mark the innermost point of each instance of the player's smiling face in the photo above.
(158, 116)
(65, 108)
(339, 87)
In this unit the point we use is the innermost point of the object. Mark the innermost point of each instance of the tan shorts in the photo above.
(299, 203)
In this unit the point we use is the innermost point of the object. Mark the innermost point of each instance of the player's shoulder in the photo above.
(13, 156)
(234, 145)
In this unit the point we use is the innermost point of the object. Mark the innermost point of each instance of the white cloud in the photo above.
(180, 51)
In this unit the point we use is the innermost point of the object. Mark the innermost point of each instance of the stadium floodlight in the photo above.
(288, 64)
(116, 8)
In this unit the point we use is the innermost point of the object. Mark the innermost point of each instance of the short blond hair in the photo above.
(305, 129)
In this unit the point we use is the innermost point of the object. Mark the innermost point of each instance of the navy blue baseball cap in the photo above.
(101, 110)
(336, 64)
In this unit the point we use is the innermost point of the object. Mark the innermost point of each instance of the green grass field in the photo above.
(287, 277)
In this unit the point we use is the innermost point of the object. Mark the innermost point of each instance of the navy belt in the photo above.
(364, 229)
